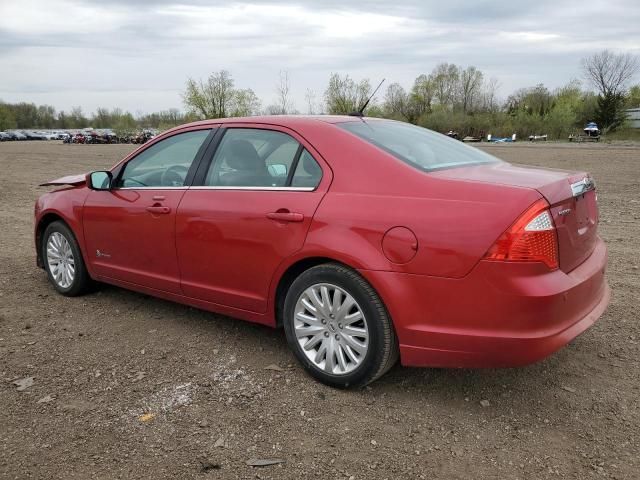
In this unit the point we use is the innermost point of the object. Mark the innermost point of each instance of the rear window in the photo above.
(421, 148)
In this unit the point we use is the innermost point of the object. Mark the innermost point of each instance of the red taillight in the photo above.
(532, 238)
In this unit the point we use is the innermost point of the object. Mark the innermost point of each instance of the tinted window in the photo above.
(308, 173)
(252, 158)
(164, 164)
(417, 146)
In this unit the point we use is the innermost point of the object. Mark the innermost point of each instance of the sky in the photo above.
(137, 55)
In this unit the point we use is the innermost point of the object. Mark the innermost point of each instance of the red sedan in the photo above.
(366, 239)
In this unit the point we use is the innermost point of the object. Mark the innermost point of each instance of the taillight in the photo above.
(532, 238)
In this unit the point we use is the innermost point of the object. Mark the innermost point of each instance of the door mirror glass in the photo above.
(100, 180)
(277, 170)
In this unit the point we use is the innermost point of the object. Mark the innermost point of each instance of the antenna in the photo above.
(360, 112)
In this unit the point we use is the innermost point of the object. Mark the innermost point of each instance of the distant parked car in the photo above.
(5, 137)
(49, 135)
(15, 135)
(31, 135)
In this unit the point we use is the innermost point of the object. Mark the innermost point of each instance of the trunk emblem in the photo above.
(564, 212)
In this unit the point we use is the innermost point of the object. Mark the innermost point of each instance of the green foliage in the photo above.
(217, 98)
(29, 116)
(343, 95)
(610, 113)
(633, 97)
(124, 125)
(450, 97)
(7, 118)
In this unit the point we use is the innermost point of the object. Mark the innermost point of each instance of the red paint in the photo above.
(418, 238)
(399, 245)
(136, 245)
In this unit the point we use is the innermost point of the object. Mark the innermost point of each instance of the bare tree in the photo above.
(310, 98)
(490, 95)
(470, 86)
(610, 72)
(395, 100)
(283, 96)
(445, 79)
(422, 94)
(400, 104)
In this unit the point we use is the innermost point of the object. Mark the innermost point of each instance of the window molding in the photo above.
(266, 189)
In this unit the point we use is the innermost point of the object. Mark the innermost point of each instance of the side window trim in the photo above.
(197, 160)
(207, 157)
(294, 165)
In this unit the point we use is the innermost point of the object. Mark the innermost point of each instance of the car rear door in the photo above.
(250, 208)
(130, 229)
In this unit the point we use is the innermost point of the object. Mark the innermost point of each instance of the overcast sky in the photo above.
(136, 55)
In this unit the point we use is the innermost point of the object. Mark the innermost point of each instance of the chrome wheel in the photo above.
(60, 260)
(331, 329)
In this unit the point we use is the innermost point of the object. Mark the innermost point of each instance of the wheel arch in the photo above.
(290, 274)
(44, 221)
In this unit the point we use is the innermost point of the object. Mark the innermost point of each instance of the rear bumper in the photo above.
(500, 315)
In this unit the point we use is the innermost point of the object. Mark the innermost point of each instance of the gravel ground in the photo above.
(128, 386)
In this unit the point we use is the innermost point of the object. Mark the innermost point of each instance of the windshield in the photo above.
(417, 146)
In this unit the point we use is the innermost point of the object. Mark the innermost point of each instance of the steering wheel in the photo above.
(174, 176)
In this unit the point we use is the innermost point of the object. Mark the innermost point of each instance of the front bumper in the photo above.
(500, 315)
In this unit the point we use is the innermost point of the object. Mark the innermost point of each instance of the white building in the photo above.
(633, 115)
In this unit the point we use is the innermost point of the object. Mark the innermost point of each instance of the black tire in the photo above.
(382, 352)
(81, 280)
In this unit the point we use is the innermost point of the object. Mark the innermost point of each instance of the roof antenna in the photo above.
(360, 112)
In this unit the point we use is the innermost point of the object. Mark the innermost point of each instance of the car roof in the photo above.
(282, 120)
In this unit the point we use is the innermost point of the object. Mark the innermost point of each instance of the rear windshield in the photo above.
(417, 146)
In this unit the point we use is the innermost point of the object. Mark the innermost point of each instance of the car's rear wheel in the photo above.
(63, 261)
(338, 327)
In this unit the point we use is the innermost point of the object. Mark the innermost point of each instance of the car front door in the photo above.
(250, 210)
(130, 229)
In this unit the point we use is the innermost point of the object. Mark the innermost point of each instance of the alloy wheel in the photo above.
(60, 260)
(331, 329)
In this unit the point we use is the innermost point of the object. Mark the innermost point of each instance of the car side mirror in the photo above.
(100, 180)
(277, 170)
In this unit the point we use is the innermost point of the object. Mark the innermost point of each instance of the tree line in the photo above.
(25, 116)
(450, 97)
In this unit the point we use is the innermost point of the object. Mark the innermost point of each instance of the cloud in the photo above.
(137, 55)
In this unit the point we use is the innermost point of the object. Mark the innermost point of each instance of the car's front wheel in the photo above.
(63, 261)
(338, 327)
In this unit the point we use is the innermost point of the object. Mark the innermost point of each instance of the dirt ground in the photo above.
(100, 363)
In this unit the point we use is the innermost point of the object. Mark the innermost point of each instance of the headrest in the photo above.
(243, 156)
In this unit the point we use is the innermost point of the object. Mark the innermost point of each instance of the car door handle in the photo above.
(158, 210)
(285, 216)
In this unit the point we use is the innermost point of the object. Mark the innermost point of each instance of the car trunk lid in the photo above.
(571, 196)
